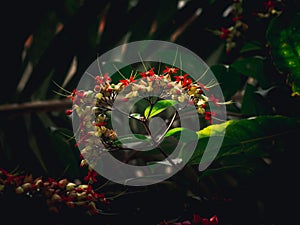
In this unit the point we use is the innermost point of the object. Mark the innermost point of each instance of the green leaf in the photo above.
(33, 140)
(253, 67)
(251, 46)
(63, 147)
(283, 36)
(131, 138)
(229, 79)
(183, 134)
(159, 107)
(254, 103)
(210, 172)
(253, 137)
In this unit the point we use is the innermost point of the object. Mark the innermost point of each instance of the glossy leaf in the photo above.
(159, 107)
(283, 36)
(248, 137)
(182, 134)
(253, 67)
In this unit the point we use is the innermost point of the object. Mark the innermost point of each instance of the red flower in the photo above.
(170, 70)
(205, 221)
(99, 124)
(78, 94)
(180, 78)
(91, 176)
(187, 83)
(237, 18)
(128, 81)
(270, 4)
(102, 79)
(214, 220)
(224, 33)
(197, 219)
(208, 116)
(148, 73)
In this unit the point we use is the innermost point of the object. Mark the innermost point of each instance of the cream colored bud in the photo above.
(81, 196)
(2, 186)
(26, 186)
(99, 95)
(70, 186)
(83, 186)
(150, 89)
(83, 163)
(201, 110)
(19, 190)
(56, 198)
(39, 183)
(204, 98)
(181, 98)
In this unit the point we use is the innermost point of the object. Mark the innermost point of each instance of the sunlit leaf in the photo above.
(159, 107)
(182, 134)
(248, 137)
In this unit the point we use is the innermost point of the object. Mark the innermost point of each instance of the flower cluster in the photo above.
(271, 8)
(93, 107)
(197, 220)
(236, 28)
(57, 194)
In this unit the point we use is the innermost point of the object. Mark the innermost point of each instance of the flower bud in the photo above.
(62, 183)
(2, 186)
(181, 98)
(99, 95)
(26, 186)
(200, 110)
(39, 183)
(70, 186)
(56, 198)
(81, 196)
(214, 220)
(19, 190)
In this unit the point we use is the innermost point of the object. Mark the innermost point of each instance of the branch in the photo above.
(35, 106)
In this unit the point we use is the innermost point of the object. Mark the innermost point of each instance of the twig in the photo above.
(35, 106)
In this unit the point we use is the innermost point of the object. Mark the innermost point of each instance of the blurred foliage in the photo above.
(55, 41)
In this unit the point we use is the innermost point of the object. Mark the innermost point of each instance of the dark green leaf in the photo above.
(253, 67)
(254, 103)
(228, 78)
(210, 172)
(67, 155)
(251, 46)
(283, 36)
